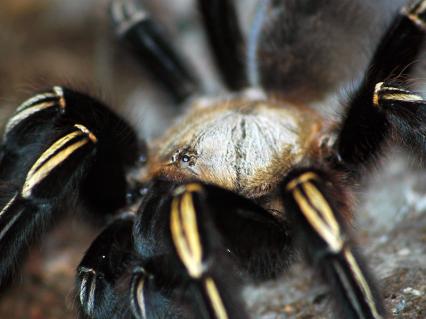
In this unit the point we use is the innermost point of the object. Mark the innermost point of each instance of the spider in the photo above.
(226, 195)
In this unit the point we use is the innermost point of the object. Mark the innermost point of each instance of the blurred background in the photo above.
(48, 42)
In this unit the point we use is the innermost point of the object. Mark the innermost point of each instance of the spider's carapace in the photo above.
(243, 143)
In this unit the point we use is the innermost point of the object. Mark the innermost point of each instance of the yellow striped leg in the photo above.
(195, 248)
(196, 241)
(313, 206)
(30, 207)
(406, 112)
(195, 256)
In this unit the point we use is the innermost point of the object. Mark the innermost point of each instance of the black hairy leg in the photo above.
(226, 40)
(59, 146)
(174, 272)
(316, 204)
(181, 250)
(195, 243)
(187, 233)
(136, 28)
(365, 129)
(102, 266)
(406, 112)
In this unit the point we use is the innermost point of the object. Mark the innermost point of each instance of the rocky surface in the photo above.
(48, 42)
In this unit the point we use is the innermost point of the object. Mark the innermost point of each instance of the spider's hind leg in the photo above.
(60, 147)
(226, 40)
(136, 28)
(316, 204)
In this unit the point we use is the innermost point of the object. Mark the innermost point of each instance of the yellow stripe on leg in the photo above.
(403, 97)
(215, 299)
(7, 206)
(334, 240)
(321, 204)
(51, 158)
(35, 100)
(137, 290)
(362, 283)
(301, 179)
(185, 233)
(377, 90)
(26, 113)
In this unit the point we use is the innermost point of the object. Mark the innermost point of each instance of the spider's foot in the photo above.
(138, 303)
(95, 294)
(103, 264)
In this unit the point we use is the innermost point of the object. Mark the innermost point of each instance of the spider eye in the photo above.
(186, 158)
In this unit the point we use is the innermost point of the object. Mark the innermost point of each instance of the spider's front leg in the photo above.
(102, 267)
(59, 147)
(190, 243)
(179, 265)
(187, 273)
(317, 206)
(209, 237)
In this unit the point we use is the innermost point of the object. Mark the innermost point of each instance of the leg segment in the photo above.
(101, 277)
(315, 204)
(103, 264)
(226, 40)
(190, 243)
(365, 128)
(60, 146)
(135, 27)
(177, 239)
(194, 240)
(406, 111)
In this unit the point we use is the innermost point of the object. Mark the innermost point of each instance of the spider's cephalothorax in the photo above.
(261, 139)
(228, 193)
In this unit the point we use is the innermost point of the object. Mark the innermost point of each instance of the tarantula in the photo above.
(225, 195)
